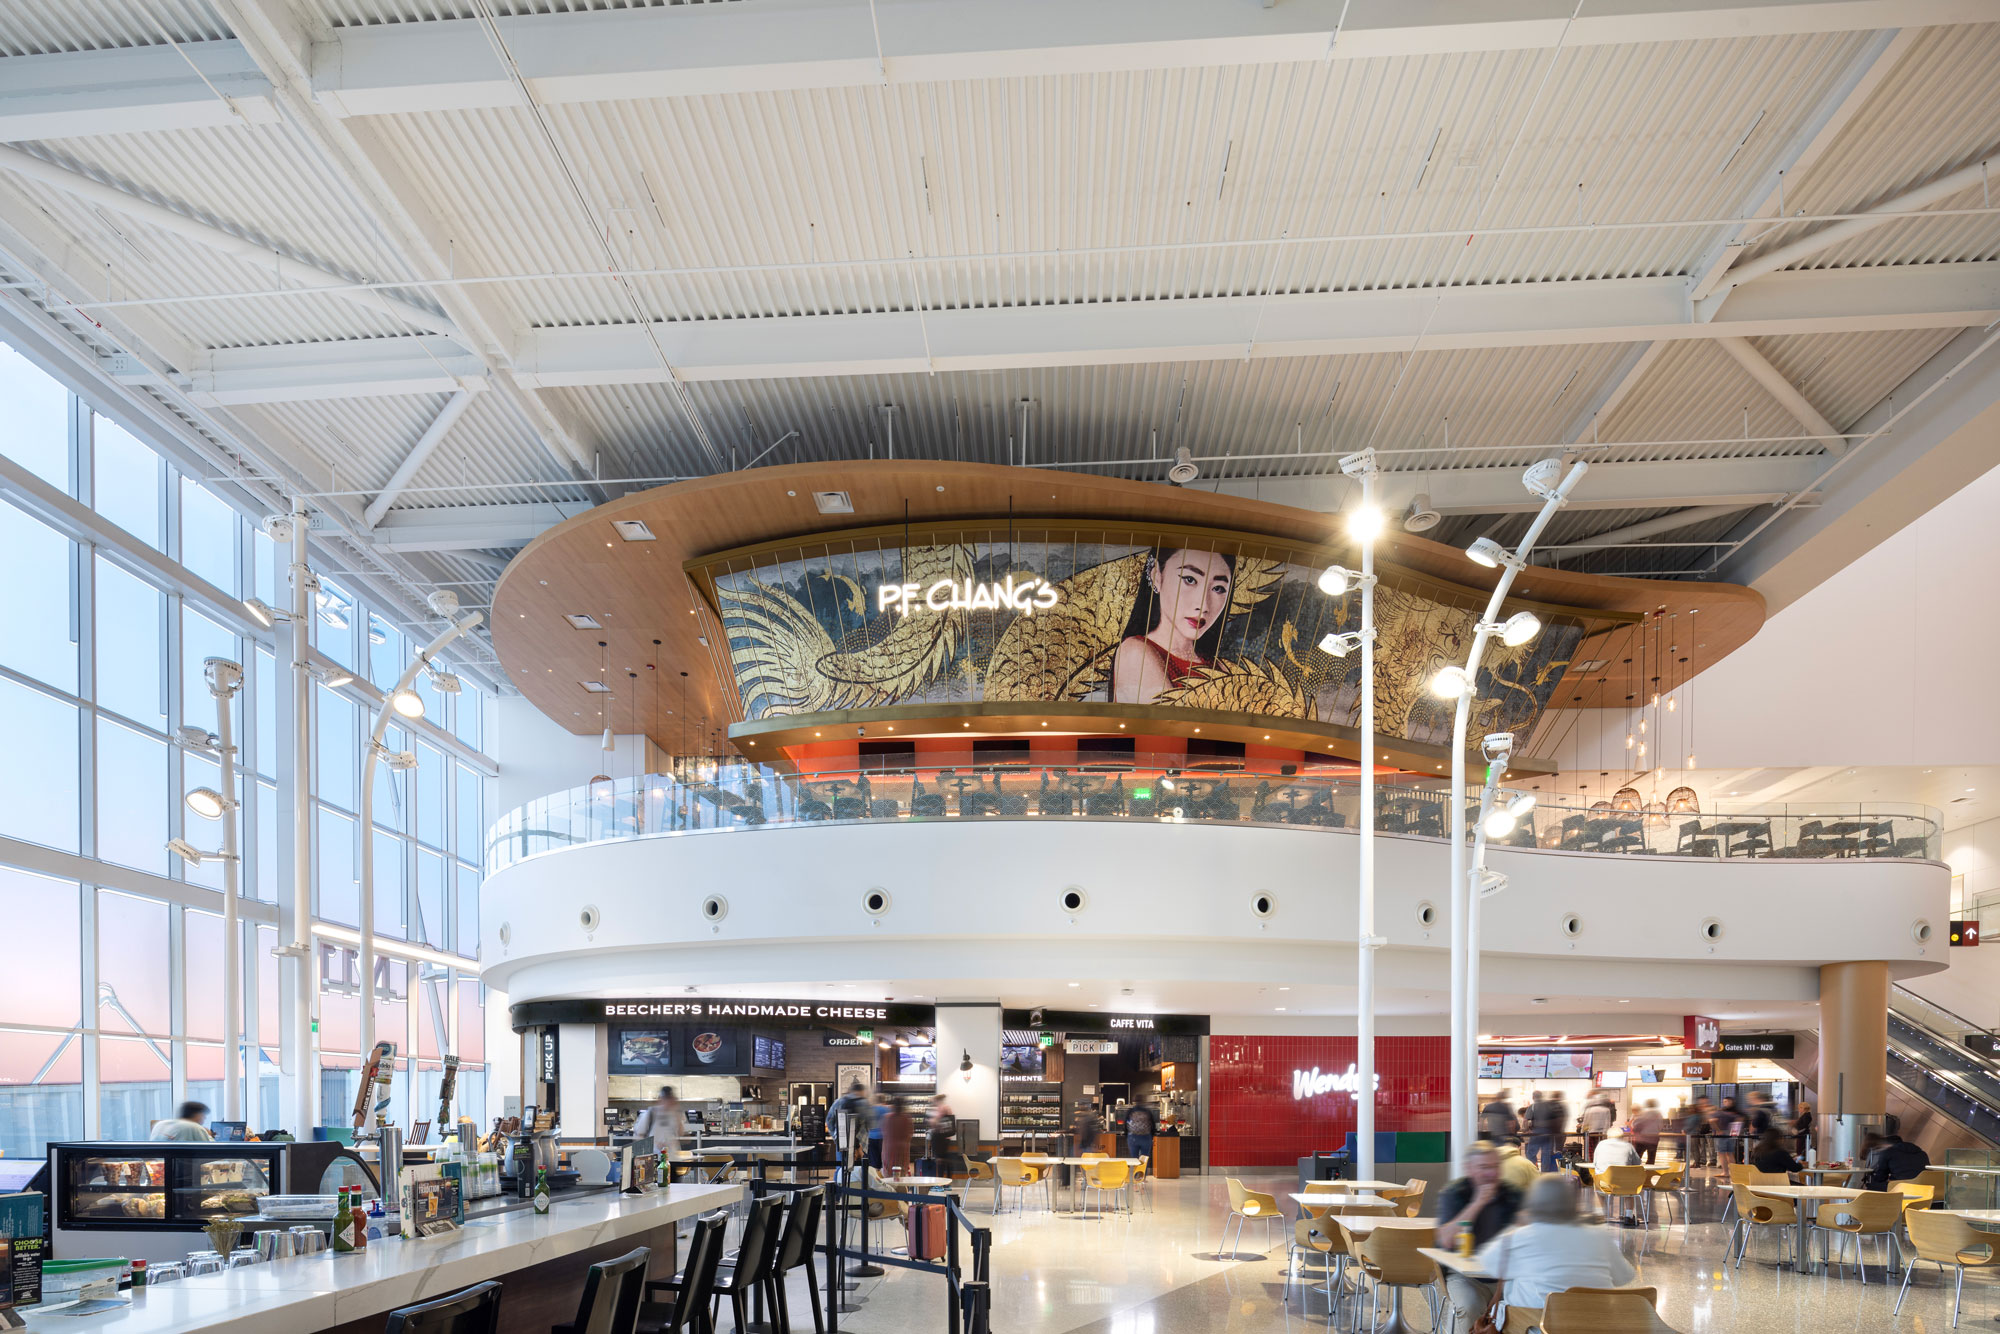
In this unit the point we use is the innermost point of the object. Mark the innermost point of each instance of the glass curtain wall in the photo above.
(113, 1008)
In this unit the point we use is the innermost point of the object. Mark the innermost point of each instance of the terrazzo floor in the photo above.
(1143, 1274)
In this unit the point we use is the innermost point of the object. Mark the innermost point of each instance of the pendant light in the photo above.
(603, 666)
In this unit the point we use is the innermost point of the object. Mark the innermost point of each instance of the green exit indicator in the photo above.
(1141, 793)
(1047, 1039)
(865, 1034)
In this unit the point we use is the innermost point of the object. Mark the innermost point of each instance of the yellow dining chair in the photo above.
(1248, 1204)
(1391, 1257)
(1621, 1183)
(1946, 1239)
(1110, 1174)
(1604, 1311)
(1013, 1174)
(1872, 1213)
(1916, 1195)
(1755, 1211)
(1666, 1184)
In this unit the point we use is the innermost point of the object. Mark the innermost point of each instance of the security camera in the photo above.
(1035, 1017)
(278, 527)
(861, 731)
(1543, 478)
(1497, 745)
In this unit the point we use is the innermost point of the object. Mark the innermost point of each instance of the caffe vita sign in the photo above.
(1026, 596)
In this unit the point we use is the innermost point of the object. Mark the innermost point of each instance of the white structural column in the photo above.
(301, 955)
(225, 679)
(1464, 1039)
(369, 759)
(970, 1028)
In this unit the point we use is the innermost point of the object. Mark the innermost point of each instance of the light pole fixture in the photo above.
(407, 703)
(1365, 526)
(225, 679)
(1552, 482)
(1494, 821)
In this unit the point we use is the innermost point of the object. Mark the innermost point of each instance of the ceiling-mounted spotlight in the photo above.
(445, 683)
(1502, 820)
(333, 678)
(207, 803)
(1451, 682)
(1543, 478)
(1519, 628)
(1183, 470)
(1340, 645)
(261, 612)
(186, 851)
(1490, 883)
(1365, 524)
(1338, 579)
(1485, 551)
(1497, 746)
(278, 527)
(442, 602)
(408, 703)
(1420, 517)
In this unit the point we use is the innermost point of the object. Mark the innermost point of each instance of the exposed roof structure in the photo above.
(456, 269)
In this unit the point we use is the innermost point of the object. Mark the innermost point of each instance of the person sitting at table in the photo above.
(1553, 1251)
(1769, 1154)
(1895, 1158)
(1515, 1169)
(1614, 1150)
(1484, 1201)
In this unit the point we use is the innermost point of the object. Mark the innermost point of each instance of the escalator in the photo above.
(1929, 1060)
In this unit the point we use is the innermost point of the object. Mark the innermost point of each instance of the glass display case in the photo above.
(127, 1187)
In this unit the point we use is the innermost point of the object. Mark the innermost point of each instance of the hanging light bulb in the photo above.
(1690, 763)
(1656, 699)
(1642, 750)
(1630, 740)
(1672, 701)
(1642, 727)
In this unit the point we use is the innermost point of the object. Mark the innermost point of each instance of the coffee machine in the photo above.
(526, 1152)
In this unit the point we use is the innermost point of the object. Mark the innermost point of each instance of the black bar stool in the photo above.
(760, 1234)
(476, 1310)
(612, 1292)
(795, 1251)
(689, 1311)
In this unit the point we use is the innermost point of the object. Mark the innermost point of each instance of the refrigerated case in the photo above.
(150, 1200)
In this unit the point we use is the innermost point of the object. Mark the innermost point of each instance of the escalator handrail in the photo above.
(1928, 1003)
(1980, 1084)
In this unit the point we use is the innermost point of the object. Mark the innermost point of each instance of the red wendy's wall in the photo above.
(1254, 1121)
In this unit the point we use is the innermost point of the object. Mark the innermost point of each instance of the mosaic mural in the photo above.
(1197, 626)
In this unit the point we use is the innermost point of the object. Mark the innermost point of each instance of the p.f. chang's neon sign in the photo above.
(1027, 596)
(1312, 1083)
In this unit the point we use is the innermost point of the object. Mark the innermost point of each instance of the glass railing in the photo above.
(704, 795)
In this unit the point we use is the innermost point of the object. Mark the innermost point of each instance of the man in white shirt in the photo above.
(186, 1126)
(1614, 1150)
(1553, 1251)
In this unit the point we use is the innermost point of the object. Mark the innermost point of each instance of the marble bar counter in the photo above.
(539, 1259)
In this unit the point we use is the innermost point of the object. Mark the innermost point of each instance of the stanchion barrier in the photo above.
(959, 1310)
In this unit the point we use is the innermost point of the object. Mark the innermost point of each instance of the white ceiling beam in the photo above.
(1631, 370)
(1943, 430)
(285, 269)
(1634, 532)
(1737, 483)
(1622, 310)
(471, 527)
(1863, 75)
(1786, 393)
(409, 220)
(1888, 211)
(67, 94)
(432, 437)
(1616, 310)
(695, 50)
(352, 368)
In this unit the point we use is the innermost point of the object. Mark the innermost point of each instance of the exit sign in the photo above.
(865, 1034)
(1047, 1040)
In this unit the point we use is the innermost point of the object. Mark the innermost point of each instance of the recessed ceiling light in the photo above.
(1624, 1002)
(1281, 1009)
(633, 530)
(1076, 984)
(597, 687)
(1284, 988)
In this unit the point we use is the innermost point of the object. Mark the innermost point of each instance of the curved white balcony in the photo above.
(747, 875)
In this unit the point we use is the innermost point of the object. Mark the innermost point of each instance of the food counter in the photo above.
(539, 1258)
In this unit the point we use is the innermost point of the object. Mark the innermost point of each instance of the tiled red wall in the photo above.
(1253, 1120)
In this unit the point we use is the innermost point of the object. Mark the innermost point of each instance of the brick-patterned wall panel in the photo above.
(1254, 1119)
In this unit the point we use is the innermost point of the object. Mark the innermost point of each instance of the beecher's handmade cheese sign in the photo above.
(769, 1013)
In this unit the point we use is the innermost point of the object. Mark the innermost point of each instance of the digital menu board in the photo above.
(1021, 1060)
(641, 1051)
(1569, 1064)
(916, 1062)
(1491, 1065)
(1524, 1065)
(1611, 1079)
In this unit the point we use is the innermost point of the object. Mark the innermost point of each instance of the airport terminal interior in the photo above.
(1124, 667)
